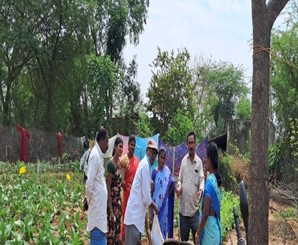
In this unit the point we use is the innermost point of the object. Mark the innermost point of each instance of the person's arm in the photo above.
(172, 186)
(146, 186)
(180, 179)
(201, 178)
(92, 171)
(206, 209)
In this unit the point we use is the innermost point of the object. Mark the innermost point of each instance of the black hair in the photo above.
(131, 138)
(190, 133)
(118, 141)
(101, 134)
(212, 154)
(161, 150)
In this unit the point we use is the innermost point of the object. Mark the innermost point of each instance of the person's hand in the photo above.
(179, 191)
(197, 240)
(123, 186)
(199, 194)
(149, 237)
(112, 219)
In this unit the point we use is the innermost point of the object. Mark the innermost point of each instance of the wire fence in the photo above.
(41, 146)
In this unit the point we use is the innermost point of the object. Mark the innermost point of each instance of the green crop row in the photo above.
(41, 206)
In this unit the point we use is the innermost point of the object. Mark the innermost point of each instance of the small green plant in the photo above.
(288, 213)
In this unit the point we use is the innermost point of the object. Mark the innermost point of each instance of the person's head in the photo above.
(86, 143)
(118, 147)
(102, 139)
(191, 143)
(211, 161)
(131, 144)
(161, 158)
(151, 150)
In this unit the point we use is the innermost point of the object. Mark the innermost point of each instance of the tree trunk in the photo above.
(263, 17)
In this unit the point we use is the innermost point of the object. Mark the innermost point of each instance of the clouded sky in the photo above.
(217, 29)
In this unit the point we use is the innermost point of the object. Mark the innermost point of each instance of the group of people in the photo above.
(120, 199)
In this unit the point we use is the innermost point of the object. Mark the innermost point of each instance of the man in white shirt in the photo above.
(96, 190)
(190, 187)
(140, 198)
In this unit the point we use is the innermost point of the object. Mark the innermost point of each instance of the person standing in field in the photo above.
(129, 163)
(209, 231)
(96, 190)
(190, 187)
(163, 195)
(114, 184)
(140, 199)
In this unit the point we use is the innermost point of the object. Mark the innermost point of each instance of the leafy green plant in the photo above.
(226, 212)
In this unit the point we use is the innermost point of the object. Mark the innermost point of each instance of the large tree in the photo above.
(170, 87)
(225, 82)
(45, 47)
(263, 17)
(14, 52)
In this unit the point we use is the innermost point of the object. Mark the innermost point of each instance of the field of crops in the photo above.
(43, 205)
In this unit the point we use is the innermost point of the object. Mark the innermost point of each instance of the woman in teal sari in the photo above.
(163, 195)
(209, 231)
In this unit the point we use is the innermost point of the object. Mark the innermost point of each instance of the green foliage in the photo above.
(294, 136)
(225, 85)
(226, 212)
(102, 79)
(129, 94)
(285, 93)
(289, 213)
(180, 125)
(143, 125)
(228, 179)
(243, 109)
(274, 161)
(45, 66)
(170, 87)
(41, 208)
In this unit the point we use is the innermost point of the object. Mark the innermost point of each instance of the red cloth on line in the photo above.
(25, 135)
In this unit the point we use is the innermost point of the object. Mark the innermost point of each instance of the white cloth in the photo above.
(96, 191)
(140, 197)
(156, 235)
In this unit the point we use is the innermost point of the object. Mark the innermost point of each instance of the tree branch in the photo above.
(274, 8)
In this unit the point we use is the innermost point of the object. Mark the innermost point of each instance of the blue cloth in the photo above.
(163, 180)
(176, 153)
(97, 237)
(141, 145)
(211, 233)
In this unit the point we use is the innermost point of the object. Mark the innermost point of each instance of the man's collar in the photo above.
(194, 159)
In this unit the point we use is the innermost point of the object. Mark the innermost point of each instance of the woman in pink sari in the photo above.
(129, 163)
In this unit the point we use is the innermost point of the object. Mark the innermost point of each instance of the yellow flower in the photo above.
(68, 176)
(23, 170)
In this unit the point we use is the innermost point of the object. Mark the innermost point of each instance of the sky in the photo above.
(216, 29)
